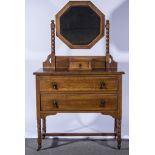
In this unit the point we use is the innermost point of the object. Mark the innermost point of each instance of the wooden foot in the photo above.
(39, 140)
(118, 133)
(39, 147)
(115, 127)
(44, 128)
(119, 146)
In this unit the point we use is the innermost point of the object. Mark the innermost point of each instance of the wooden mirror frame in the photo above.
(80, 3)
(57, 63)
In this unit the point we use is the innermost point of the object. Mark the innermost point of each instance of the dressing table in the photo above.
(79, 84)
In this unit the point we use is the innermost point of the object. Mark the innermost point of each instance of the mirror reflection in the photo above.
(80, 25)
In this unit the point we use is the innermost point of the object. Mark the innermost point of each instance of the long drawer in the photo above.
(56, 84)
(56, 102)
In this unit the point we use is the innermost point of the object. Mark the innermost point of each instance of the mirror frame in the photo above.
(80, 3)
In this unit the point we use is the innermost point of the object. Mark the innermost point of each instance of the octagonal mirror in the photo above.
(80, 24)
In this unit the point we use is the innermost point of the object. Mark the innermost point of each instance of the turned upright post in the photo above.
(53, 45)
(107, 45)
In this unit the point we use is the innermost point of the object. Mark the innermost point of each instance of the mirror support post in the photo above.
(53, 45)
(107, 45)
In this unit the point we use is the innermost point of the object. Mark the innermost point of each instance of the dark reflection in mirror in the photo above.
(80, 25)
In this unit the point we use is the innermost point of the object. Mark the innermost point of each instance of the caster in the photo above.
(119, 146)
(39, 147)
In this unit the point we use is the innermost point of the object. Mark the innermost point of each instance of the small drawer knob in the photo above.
(55, 103)
(54, 85)
(80, 65)
(102, 85)
(102, 103)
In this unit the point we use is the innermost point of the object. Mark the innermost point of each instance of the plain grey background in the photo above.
(38, 16)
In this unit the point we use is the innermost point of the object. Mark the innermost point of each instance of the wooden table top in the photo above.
(42, 71)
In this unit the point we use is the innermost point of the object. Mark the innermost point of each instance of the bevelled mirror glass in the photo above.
(80, 24)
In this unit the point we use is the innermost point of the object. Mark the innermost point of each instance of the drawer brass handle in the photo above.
(55, 103)
(54, 85)
(80, 65)
(102, 85)
(102, 103)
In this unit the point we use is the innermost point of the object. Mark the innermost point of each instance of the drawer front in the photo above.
(78, 84)
(76, 102)
(80, 65)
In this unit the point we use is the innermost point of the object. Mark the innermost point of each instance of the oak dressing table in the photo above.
(77, 84)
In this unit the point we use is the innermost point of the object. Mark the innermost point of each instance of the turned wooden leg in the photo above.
(118, 133)
(39, 140)
(44, 127)
(115, 127)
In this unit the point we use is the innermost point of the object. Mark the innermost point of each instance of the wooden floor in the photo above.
(76, 147)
